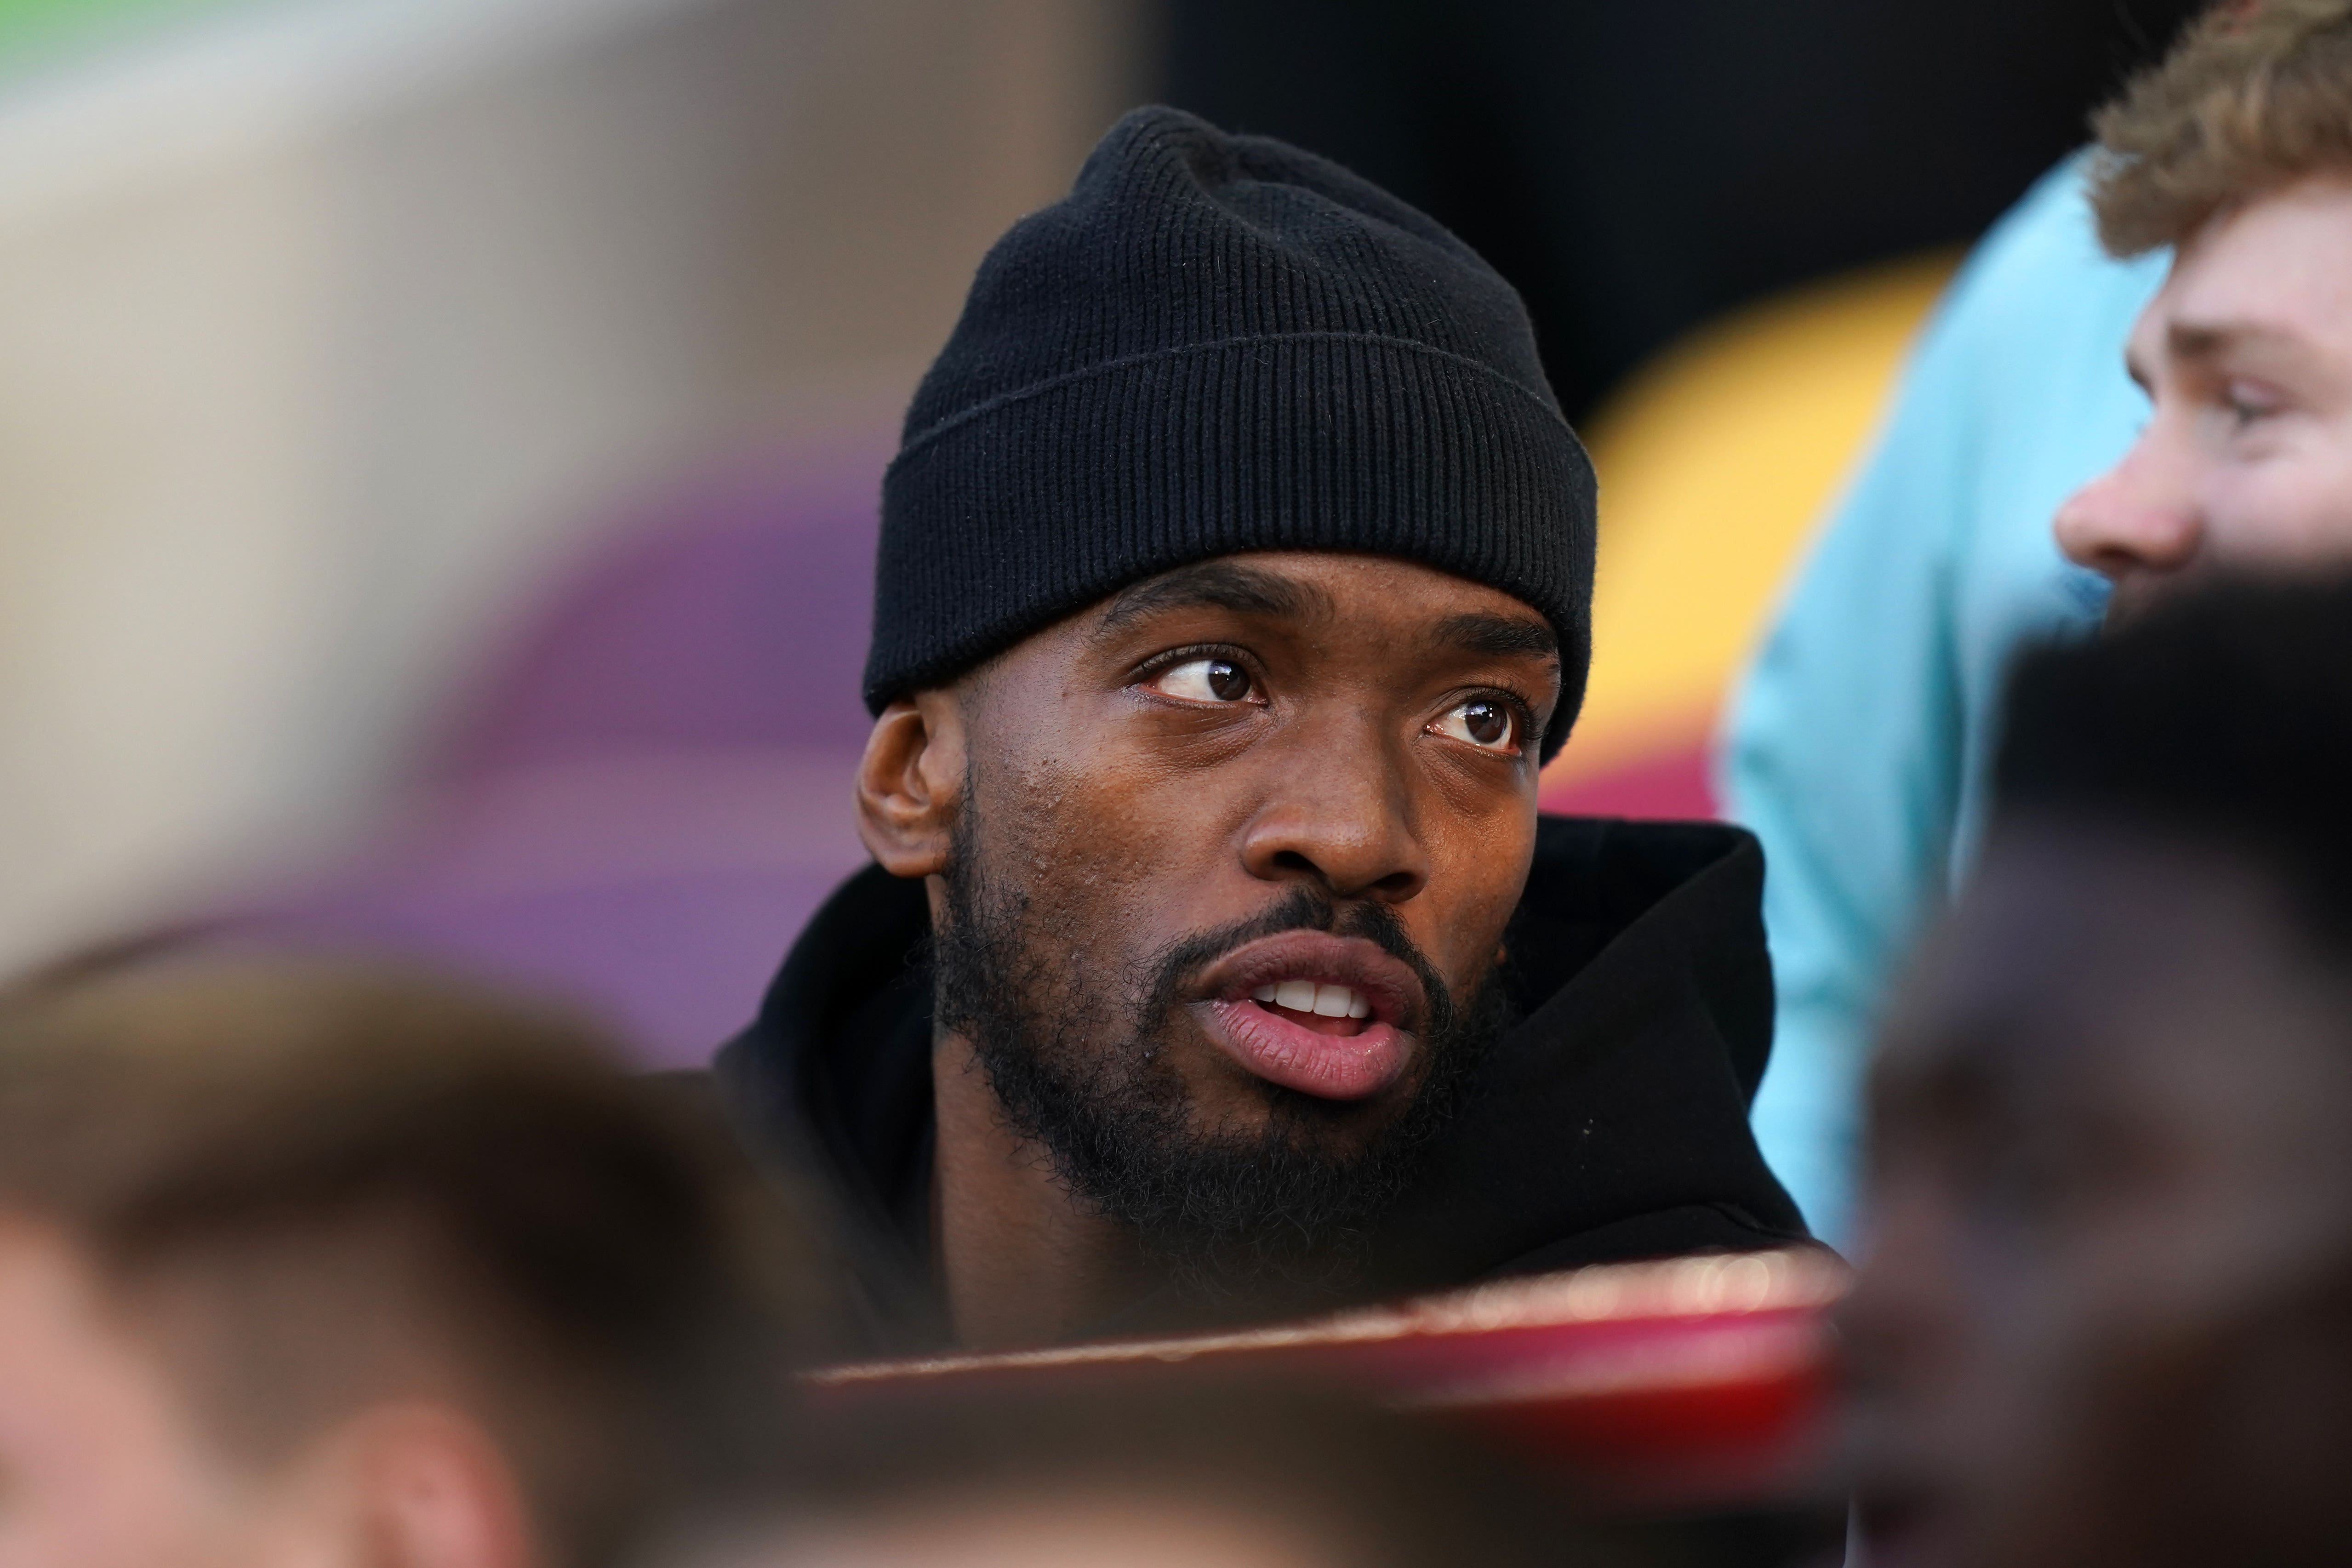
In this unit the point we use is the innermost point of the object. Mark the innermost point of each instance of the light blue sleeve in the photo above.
(1855, 745)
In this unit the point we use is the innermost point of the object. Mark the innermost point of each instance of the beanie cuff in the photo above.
(1061, 493)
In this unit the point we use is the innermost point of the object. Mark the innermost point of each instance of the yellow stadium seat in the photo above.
(1716, 461)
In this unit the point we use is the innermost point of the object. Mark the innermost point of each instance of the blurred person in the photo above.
(1155, 1474)
(311, 1266)
(1234, 582)
(2104, 1312)
(2221, 187)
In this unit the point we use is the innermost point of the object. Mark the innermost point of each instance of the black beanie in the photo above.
(1214, 344)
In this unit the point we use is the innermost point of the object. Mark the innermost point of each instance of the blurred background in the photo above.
(438, 438)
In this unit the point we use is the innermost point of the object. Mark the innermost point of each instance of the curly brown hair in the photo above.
(2256, 95)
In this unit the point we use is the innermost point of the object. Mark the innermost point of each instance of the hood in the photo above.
(1610, 1123)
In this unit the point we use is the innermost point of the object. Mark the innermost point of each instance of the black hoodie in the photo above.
(1611, 1123)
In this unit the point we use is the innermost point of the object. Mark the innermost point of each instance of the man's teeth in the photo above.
(1307, 997)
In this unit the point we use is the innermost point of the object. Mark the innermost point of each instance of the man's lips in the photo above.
(1334, 1017)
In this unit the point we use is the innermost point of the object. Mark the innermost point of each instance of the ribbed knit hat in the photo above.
(1214, 344)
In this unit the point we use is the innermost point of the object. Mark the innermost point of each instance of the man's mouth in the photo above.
(1334, 1017)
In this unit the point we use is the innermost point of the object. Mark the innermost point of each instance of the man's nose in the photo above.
(1897, 1320)
(1340, 815)
(2139, 518)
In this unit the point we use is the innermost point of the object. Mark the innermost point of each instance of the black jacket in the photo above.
(1610, 1123)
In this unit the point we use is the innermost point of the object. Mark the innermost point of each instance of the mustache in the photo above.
(1171, 970)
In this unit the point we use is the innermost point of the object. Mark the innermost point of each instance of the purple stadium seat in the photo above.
(734, 616)
(642, 800)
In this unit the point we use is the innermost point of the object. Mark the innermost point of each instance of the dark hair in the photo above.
(2224, 717)
(346, 1171)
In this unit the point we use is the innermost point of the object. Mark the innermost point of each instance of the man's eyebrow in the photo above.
(1218, 585)
(1500, 636)
(2210, 340)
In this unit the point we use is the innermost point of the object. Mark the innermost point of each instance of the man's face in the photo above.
(102, 1465)
(2105, 1313)
(2246, 355)
(1237, 853)
(1068, 1530)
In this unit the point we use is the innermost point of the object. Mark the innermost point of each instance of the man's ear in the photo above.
(426, 1487)
(911, 784)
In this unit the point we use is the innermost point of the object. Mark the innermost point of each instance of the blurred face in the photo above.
(1064, 1531)
(2246, 355)
(2105, 1310)
(1236, 856)
(102, 1465)
(105, 1462)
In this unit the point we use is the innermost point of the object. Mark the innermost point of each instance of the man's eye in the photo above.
(2248, 404)
(1204, 681)
(1489, 726)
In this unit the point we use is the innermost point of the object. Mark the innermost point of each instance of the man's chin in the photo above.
(1245, 1179)
(1283, 1129)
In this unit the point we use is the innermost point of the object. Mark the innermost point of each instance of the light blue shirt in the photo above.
(1859, 741)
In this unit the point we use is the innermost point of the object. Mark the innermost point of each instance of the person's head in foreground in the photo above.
(310, 1267)
(1151, 1474)
(2237, 152)
(1234, 584)
(2104, 1312)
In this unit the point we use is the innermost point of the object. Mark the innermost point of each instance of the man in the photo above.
(1861, 739)
(2105, 1314)
(1234, 582)
(1192, 1471)
(2238, 153)
(306, 1267)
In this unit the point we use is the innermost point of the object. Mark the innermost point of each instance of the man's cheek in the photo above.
(1085, 858)
(1139, 843)
(2071, 1403)
(1105, 849)
(2026, 1466)
(1460, 918)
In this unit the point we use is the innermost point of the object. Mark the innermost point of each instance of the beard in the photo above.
(1280, 1211)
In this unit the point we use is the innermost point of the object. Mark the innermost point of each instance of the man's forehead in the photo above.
(2278, 270)
(1238, 583)
(1309, 587)
(2071, 939)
